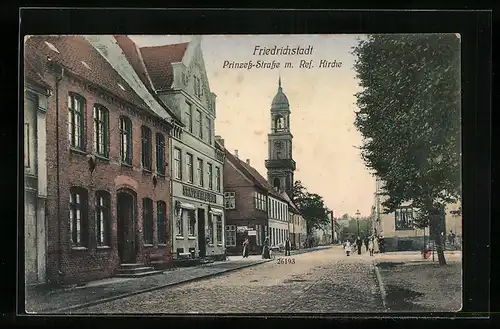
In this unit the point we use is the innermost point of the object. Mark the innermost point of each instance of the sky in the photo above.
(322, 104)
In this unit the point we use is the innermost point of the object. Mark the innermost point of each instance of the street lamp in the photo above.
(357, 219)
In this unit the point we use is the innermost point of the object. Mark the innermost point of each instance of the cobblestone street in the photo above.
(322, 281)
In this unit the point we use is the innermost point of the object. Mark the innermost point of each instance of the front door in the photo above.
(202, 243)
(126, 227)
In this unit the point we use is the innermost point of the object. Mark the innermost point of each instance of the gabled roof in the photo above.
(76, 54)
(158, 61)
(131, 52)
(252, 174)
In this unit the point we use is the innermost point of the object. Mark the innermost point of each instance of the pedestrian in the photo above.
(359, 243)
(348, 247)
(367, 240)
(371, 245)
(265, 250)
(245, 247)
(376, 248)
(381, 244)
(287, 247)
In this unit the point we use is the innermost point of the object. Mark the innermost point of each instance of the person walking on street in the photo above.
(347, 247)
(265, 250)
(367, 240)
(245, 247)
(287, 247)
(371, 245)
(359, 243)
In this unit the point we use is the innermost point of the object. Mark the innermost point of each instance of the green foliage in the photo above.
(311, 206)
(409, 117)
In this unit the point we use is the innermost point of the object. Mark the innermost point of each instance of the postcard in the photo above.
(242, 174)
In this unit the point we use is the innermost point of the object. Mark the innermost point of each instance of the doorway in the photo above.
(202, 243)
(126, 211)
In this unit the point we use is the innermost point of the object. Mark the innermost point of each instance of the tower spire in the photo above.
(279, 83)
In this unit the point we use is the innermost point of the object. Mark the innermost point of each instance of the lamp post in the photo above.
(357, 219)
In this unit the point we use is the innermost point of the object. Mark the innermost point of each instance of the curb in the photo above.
(381, 286)
(133, 293)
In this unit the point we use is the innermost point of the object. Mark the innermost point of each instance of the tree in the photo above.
(311, 206)
(409, 117)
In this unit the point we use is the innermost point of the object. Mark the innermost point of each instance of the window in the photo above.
(199, 124)
(208, 124)
(189, 167)
(76, 121)
(210, 178)
(78, 220)
(103, 218)
(126, 140)
(200, 172)
(198, 91)
(191, 222)
(161, 229)
(210, 229)
(147, 148)
(101, 124)
(404, 218)
(26, 145)
(260, 201)
(147, 220)
(218, 222)
(177, 163)
(230, 235)
(160, 154)
(217, 178)
(188, 115)
(229, 200)
(179, 222)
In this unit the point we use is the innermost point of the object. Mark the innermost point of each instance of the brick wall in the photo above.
(94, 263)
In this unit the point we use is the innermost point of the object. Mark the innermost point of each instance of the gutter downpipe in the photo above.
(58, 203)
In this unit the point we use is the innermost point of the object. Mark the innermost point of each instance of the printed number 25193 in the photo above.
(286, 260)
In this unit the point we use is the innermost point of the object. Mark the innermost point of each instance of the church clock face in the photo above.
(278, 145)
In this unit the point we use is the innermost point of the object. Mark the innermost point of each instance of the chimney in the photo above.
(236, 154)
(219, 139)
(248, 161)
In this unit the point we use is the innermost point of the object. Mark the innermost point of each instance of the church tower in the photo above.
(280, 165)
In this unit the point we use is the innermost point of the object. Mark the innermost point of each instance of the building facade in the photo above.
(280, 164)
(36, 93)
(398, 230)
(298, 231)
(177, 77)
(278, 214)
(246, 194)
(107, 189)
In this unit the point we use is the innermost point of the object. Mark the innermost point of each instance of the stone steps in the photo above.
(135, 271)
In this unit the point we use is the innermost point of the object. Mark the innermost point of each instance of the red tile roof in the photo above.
(131, 52)
(75, 49)
(253, 174)
(158, 61)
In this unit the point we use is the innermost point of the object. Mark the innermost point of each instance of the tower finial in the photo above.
(279, 83)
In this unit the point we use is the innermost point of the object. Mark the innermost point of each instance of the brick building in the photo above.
(108, 195)
(250, 204)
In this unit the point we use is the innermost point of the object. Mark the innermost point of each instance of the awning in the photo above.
(216, 211)
(188, 206)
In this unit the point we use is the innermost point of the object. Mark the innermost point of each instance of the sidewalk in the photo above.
(411, 284)
(95, 292)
